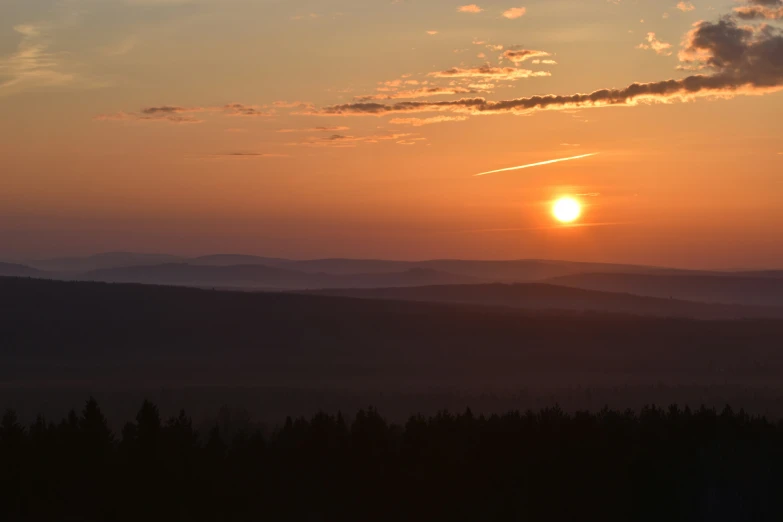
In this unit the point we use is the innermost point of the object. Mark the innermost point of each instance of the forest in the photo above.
(654, 464)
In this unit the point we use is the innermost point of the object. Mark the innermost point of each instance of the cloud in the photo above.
(514, 13)
(419, 93)
(317, 129)
(292, 105)
(685, 6)
(237, 109)
(181, 114)
(432, 33)
(470, 8)
(34, 66)
(761, 10)
(656, 45)
(489, 72)
(520, 55)
(344, 141)
(419, 122)
(741, 60)
(163, 113)
(250, 155)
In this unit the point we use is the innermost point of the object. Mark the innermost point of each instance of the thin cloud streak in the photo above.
(539, 164)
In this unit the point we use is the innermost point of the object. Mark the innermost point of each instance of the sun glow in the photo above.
(567, 210)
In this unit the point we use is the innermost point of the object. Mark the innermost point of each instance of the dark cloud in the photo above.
(741, 60)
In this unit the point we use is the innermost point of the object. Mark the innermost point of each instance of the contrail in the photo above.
(538, 164)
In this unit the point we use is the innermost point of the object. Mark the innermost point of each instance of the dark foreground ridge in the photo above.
(654, 465)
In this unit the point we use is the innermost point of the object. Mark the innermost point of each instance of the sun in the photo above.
(566, 210)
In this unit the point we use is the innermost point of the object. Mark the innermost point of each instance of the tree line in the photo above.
(655, 464)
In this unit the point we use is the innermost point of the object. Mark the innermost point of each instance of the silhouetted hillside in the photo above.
(265, 277)
(14, 270)
(732, 289)
(539, 296)
(91, 334)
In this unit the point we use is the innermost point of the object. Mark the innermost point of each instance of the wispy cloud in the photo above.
(317, 129)
(490, 72)
(292, 104)
(253, 111)
(35, 66)
(521, 55)
(470, 8)
(419, 122)
(539, 164)
(182, 114)
(249, 155)
(343, 141)
(419, 93)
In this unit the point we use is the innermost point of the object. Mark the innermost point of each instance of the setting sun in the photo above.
(566, 210)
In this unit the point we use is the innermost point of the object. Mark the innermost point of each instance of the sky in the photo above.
(356, 128)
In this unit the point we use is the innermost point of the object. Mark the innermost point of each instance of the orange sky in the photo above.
(317, 129)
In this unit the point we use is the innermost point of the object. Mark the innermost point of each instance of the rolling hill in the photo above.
(94, 334)
(723, 288)
(537, 296)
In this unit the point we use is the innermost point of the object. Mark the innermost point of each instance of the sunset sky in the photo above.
(356, 128)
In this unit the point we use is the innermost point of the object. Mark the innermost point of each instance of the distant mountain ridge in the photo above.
(239, 271)
(100, 261)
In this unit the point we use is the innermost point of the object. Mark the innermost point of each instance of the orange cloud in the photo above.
(488, 71)
(471, 8)
(418, 93)
(520, 55)
(685, 6)
(514, 13)
(761, 10)
(419, 122)
(656, 45)
(317, 129)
